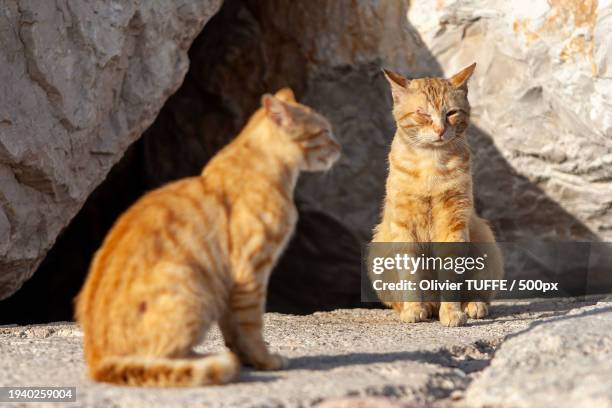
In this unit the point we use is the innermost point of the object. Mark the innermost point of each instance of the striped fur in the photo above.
(201, 250)
(429, 186)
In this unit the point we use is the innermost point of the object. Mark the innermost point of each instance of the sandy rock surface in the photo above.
(556, 351)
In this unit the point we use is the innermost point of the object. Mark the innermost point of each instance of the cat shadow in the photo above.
(550, 307)
(563, 317)
(250, 375)
(544, 308)
(442, 358)
(519, 216)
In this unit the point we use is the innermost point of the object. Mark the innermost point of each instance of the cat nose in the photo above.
(439, 131)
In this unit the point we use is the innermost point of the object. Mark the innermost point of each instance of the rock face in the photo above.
(80, 81)
(564, 363)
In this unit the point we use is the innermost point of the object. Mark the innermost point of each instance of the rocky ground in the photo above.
(527, 354)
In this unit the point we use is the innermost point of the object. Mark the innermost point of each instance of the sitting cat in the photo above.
(429, 186)
(201, 250)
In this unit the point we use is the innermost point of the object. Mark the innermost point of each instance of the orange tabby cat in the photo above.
(429, 187)
(201, 250)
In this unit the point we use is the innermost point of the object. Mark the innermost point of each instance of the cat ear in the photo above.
(460, 79)
(276, 110)
(398, 83)
(285, 94)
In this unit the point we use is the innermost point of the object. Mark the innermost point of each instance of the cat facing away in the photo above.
(201, 250)
(429, 187)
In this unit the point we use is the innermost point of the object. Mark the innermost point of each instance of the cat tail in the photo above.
(168, 372)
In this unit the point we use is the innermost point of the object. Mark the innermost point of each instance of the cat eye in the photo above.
(421, 112)
(452, 112)
(422, 117)
(453, 116)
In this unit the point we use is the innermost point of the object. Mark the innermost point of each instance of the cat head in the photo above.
(305, 128)
(431, 112)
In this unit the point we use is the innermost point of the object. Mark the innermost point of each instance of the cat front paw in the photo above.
(453, 318)
(476, 310)
(415, 314)
(272, 363)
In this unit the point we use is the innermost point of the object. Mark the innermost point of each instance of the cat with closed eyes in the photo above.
(429, 186)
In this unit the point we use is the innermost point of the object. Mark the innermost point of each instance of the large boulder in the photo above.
(563, 362)
(80, 81)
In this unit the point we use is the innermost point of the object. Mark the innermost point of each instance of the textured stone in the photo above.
(360, 358)
(80, 81)
(564, 362)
